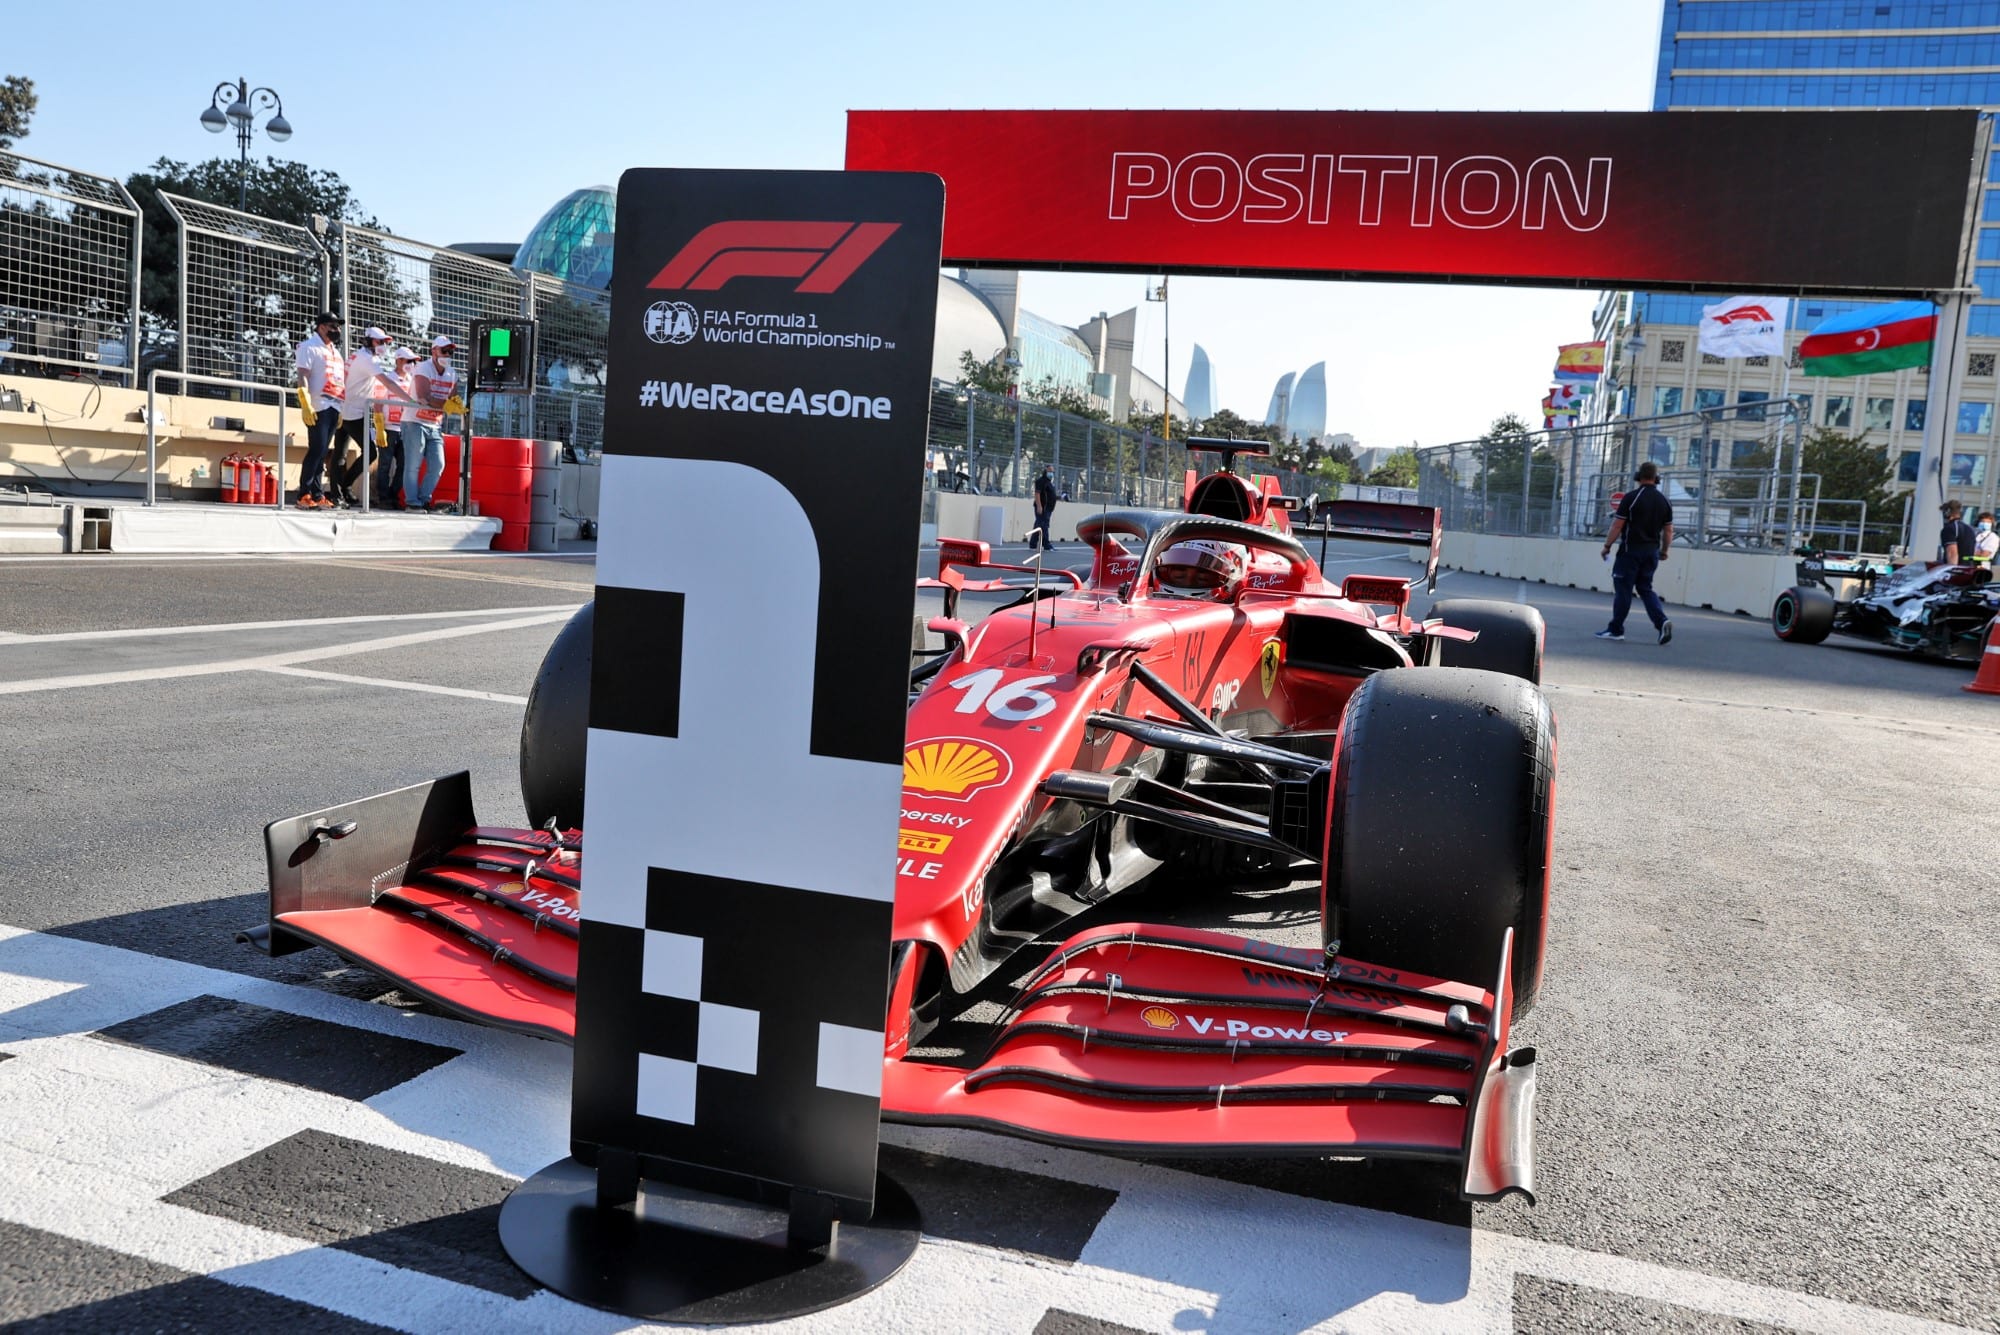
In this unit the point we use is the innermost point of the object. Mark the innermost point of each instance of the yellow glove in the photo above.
(381, 430)
(306, 408)
(454, 406)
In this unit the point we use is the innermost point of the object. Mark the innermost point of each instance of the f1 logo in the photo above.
(822, 255)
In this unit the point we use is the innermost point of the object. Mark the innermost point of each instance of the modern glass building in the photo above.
(1049, 351)
(1761, 55)
(1307, 419)
(1279, 414)
(1199, 395)
(573, 239)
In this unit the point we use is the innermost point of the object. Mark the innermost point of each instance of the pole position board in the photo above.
(1860, 203)
(767, 408)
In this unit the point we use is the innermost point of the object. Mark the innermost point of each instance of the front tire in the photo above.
(554, 726)
(1803, 615)
(1439, 825)
(1510, 636)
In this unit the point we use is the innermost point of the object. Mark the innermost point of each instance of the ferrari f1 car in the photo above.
(1200, 700)
(1934, 610)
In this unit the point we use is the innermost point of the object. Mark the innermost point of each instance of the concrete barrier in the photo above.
(34, 528)
(1724, 581)
(963, 516)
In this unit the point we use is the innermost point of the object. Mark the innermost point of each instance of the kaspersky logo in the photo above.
(1754, 314)
(821, 255)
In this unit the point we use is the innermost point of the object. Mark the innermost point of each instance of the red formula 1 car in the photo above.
(1200, 699)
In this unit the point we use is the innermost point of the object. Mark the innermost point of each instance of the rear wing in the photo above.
(1382, 521)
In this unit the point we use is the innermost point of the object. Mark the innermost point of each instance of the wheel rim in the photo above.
(1785, 613)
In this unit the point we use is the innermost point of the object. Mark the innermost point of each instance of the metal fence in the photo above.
(69, 270)
(415, 291)
(1733, 473)
(571, 338)
(249, 290)
(993, 445)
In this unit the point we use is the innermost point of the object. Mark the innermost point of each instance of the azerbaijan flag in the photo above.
(1875, 338)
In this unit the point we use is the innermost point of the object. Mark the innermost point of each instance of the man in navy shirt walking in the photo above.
(1643, 530)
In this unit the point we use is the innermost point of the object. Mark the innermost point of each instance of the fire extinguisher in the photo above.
(270, 486)
(254, 491)
(228, 478)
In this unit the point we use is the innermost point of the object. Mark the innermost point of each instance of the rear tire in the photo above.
(1439, 826)
(1510, 636)
(554, 726)
(1803, 615)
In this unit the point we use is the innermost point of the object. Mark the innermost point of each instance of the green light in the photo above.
(499, 342)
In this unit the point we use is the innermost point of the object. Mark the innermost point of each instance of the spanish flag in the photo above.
(1580, 363)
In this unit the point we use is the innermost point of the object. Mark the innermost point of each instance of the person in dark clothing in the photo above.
(1643, 530)
(1955, 543)
(1045, 509)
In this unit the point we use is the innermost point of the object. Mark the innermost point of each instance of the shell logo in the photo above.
(952, 767)
(507, 888)
(1159, 1017)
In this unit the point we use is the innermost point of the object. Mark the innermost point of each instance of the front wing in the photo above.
(1138, 1039)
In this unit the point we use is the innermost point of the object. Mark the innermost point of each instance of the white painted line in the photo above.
(177, 558)
(1161, 1228)
(266, 661)
(146, 632)
(423, 686)
(98, 1132)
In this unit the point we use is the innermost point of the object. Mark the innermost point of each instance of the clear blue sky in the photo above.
(465, 122)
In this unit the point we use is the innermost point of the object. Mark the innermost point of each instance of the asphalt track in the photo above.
(1770, 1074)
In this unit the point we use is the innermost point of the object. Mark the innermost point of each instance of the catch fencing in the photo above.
(249, 290)
(994, 445)
(69, 271)
(1733, 473)
(414, 291)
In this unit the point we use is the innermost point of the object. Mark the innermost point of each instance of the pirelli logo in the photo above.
(921, 841)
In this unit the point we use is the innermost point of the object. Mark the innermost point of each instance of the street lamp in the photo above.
(241, 112)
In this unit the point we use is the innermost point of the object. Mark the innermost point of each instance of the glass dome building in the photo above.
(573, 239)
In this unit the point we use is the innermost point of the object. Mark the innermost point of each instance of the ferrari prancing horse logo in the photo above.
(1267, 665)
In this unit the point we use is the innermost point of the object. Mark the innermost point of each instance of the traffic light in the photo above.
(503, 356)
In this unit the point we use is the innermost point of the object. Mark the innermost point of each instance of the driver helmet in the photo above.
(1204, 566)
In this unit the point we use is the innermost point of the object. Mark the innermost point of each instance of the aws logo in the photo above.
(821, 255)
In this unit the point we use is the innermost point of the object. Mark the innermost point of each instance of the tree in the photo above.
(17, 106)
(1850, 468)
(1142, 418)
(1506, 443)
(288, 192)
(1398, 470)
(1331, 475)
(1063, 398)
(994, 376)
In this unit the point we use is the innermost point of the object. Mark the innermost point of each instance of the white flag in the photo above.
(1744, 327)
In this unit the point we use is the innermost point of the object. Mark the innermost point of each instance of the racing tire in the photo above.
(1803, 615)
(1510, 637)
(554, 727)
(1439, 826)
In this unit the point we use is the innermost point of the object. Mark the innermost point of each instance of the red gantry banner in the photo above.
(1868, 202)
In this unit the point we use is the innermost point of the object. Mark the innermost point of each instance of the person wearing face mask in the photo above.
(1985, 542)
(1643, 531)
(370, 379)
